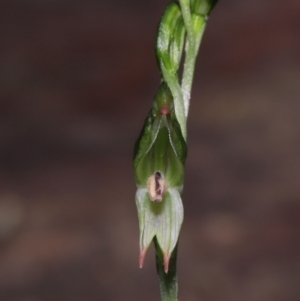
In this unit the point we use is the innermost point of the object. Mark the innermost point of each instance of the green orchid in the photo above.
(160, 151)
(159, 157)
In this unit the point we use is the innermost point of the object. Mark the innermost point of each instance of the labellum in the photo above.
(156, 186)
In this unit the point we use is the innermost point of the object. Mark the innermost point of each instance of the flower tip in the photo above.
(166, 262)
(142, 257)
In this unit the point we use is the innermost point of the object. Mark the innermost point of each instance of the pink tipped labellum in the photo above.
(166, 261)
(142, 257)
(156, 186)
(164, 110)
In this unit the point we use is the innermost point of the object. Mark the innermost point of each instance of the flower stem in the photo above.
(195, 28)
(167, 281)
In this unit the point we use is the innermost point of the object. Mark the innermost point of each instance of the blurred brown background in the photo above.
(77, 80)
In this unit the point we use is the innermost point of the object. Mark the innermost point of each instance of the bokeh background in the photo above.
(77, 80)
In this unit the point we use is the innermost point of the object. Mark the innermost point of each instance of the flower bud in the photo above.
(170, 38)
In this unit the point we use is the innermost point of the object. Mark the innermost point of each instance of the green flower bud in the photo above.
(159, 158)
(170, 38)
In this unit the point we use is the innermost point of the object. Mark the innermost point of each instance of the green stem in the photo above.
(192, 47)
(167, 281)
(190, 58)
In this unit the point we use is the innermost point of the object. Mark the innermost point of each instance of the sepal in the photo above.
(162, 220)
(160, 146)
